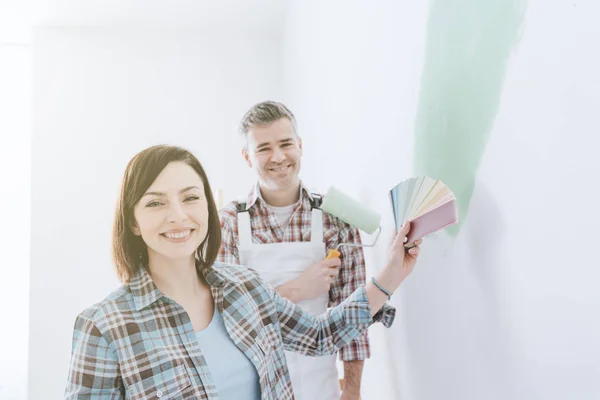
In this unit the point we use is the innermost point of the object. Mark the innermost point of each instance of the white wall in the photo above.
(100, 96)
(15, 125)
(506, 310)
(509, 308)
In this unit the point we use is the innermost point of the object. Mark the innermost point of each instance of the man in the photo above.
(280, 232)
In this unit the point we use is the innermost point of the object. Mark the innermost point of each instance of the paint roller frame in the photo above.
(344, 207)
(333, 253)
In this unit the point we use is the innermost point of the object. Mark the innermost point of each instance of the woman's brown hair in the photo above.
(129, 250)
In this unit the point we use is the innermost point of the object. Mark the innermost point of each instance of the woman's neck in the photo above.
(178, 280)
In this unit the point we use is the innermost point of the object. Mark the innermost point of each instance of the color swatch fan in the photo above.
(426, 203)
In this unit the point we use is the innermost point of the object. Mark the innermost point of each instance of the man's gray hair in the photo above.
(264, 114)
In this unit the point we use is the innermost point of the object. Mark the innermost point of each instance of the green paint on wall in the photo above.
(467, 50)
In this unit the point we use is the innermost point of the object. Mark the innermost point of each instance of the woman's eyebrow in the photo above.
(163, 194)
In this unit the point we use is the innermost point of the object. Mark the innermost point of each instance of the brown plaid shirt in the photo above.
(266, 229)
(139, 344)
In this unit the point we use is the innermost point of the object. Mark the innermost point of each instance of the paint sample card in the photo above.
(428, 204)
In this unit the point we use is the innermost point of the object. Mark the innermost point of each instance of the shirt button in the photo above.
(255, 358)
(159, 393)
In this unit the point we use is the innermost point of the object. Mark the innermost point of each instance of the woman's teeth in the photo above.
(178, 235)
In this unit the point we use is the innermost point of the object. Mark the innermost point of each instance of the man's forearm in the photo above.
(352, 377)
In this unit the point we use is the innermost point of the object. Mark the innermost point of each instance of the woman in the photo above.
(181, 327)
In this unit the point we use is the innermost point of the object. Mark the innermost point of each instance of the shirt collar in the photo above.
(255, 195)
(143, 289)
(145, 292)
(215, 277)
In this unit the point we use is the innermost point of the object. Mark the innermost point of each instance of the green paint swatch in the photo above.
(467, 50)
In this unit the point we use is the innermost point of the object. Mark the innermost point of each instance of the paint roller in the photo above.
(347, 209)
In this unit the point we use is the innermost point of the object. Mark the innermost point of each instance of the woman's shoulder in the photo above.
(116, 303)
(235, 272)
(243, 276)
(250, 288)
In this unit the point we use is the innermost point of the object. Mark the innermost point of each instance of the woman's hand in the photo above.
(398, 257)
(400, 263)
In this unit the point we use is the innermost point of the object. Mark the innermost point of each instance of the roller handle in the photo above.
(333, 254)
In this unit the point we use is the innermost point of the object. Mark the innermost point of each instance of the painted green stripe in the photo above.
(466, 56)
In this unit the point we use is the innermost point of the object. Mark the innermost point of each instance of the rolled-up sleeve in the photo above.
(325, 334)
(352, 276)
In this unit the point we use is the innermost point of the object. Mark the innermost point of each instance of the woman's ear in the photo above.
(135, 229)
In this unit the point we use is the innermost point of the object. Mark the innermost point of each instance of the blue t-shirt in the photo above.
(233, 373)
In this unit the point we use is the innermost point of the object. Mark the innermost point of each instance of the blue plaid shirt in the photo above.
(139, 344)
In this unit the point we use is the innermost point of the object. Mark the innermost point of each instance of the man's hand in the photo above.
(313, 282)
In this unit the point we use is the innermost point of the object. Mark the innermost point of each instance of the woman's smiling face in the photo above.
(172, 215)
